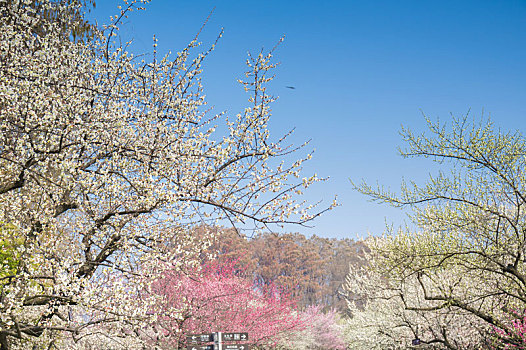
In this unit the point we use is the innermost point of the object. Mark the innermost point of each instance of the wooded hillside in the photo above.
(312, 269)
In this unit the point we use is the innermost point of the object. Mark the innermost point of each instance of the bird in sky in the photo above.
(290, 87)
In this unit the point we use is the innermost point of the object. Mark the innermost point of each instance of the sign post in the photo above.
(195, 341)
(218, 341)
(199, 338)
(234, 336)
(236, 347)
(200, 347)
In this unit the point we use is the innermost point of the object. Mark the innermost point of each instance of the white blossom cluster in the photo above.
(106, 161)
(391, 310)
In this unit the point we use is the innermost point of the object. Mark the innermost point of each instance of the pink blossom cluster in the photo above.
(512, 338)
(216, 299)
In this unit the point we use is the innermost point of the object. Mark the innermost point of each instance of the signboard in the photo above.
(224, 347)
(236, 347)
(201, 347)
(199, 338)
(218, 338)
(234, 336)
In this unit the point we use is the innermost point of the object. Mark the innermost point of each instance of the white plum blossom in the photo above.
(106, 163)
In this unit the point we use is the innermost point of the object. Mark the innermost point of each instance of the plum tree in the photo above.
(107, 162)
(467, 254)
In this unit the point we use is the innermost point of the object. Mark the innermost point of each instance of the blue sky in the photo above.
(361, 69)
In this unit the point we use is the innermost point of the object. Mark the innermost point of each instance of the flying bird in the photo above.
(290, 87)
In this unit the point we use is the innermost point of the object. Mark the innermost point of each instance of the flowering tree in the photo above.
(323, 331)
(216, 299)
(390, 312)
(107, 160)
(466, 256)
(513, 337)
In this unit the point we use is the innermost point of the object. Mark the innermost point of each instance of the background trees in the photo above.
(464, 267)
(313, 269)
(108, 161)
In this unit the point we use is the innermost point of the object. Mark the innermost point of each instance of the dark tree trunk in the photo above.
(3, 342)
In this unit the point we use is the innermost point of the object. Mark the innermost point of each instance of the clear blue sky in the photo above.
(361, 69)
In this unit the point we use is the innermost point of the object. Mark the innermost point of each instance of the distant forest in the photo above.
(311, 269)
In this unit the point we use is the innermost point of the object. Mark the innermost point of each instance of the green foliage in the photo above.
(10, 251)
